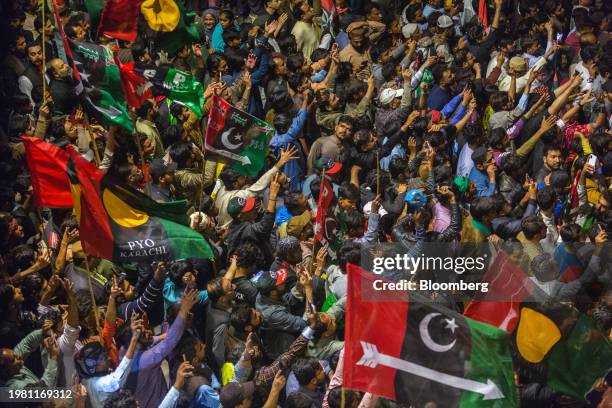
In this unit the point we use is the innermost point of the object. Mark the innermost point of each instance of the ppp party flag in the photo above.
(236, 138)
(408, 349)
(47, 165)
(119, 19)
(122, 224)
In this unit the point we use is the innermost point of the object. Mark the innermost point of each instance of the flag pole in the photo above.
(313, 257)
(44, 55)
(377, 173)
(342, 398)
(91, 293)
(92, 140)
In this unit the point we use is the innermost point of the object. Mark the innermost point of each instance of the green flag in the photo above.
(102, 84)
(581, 358)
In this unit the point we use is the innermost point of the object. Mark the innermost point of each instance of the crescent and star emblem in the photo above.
(225, 139)
(426, 337)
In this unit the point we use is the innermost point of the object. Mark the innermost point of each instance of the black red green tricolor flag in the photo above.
(407, 349)
(566, 350)
(236, 138)
(119, 223)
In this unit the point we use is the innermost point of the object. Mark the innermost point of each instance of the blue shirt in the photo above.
(438, 98)
(294, 168)
(484, 188)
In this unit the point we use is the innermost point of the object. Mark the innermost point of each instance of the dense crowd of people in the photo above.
(431, 125)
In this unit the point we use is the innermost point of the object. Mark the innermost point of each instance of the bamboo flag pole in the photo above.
(91, 293)
(313, 257)
(92, 140)
(44, 55)
(377, 174)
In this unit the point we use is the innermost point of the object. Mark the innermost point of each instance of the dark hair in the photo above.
(397, 166)
(177, 269)
(21, 258)
(138, 50)
(213, 62)
(378, 48)
(355, 91)
(589, 53)
(86, 360)
(334, 398)
(298, 400)
(481, 206)
(297, 10)
(240, 317)
(354, 220)
(347, 119)
(180, 154)
(496, 138)
(215, 289)
(248, 254)
(531, 226)
(499, 100)
(318, 54)
(292, 202)
(546, 198)
(122, 398)
(230, 34)
(227, 13)
(305, 369)
(511, 163)
(350, 252)
(550, 148)
(229, 176)
(7, 294)
(570, 232)
(349, 192)
(171, 135)
(282, 122)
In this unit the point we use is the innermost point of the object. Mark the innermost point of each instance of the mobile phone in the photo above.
(529, 178)
(559, 37)
(592, 160)
(428, 146)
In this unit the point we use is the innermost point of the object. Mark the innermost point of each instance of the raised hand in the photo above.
(188, 301)
(291, 153)
(548, 123)
(184, 371)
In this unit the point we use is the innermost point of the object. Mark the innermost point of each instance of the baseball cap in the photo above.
(232, 394)
(239, 205)
(409, 29)
(159, 167)
(387, 95)
(445, 21)
(270, 280)
(327, 164)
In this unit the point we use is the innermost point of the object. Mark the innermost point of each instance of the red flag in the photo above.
(326, 194)
(508, 286)
(482, 12)
(136, 88)
(329, 6)
(47, 164)
(119, 19)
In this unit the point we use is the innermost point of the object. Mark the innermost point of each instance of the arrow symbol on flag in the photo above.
(372, 358)
(244, 160)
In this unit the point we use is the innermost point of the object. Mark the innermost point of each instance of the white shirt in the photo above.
(465, 163)
(100, 388)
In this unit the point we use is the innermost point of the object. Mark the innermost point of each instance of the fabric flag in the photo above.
(568, 347)
(176, 85)
(119, 19)
(236, 138)
(175, 27)
(329, 14)
(482, 13)
(419, 352)
(326, 195)
(121, 224)
(94, 9)
(100, 76)
(137, 89)
(508, 286)
(47, 165)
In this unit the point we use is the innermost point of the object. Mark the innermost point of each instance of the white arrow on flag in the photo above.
(242, 159)
(371, 358)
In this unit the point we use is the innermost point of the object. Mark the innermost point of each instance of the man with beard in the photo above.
(61, 87)
(31, 81)
(145, 124)
(441, 93)
(332, 147)
(358, 51)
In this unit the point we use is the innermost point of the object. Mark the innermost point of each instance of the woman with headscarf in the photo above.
(226, 20)
(210, 18)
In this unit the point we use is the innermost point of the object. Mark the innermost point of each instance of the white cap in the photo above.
(445, 21)
(409, 29)
(387, 95)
